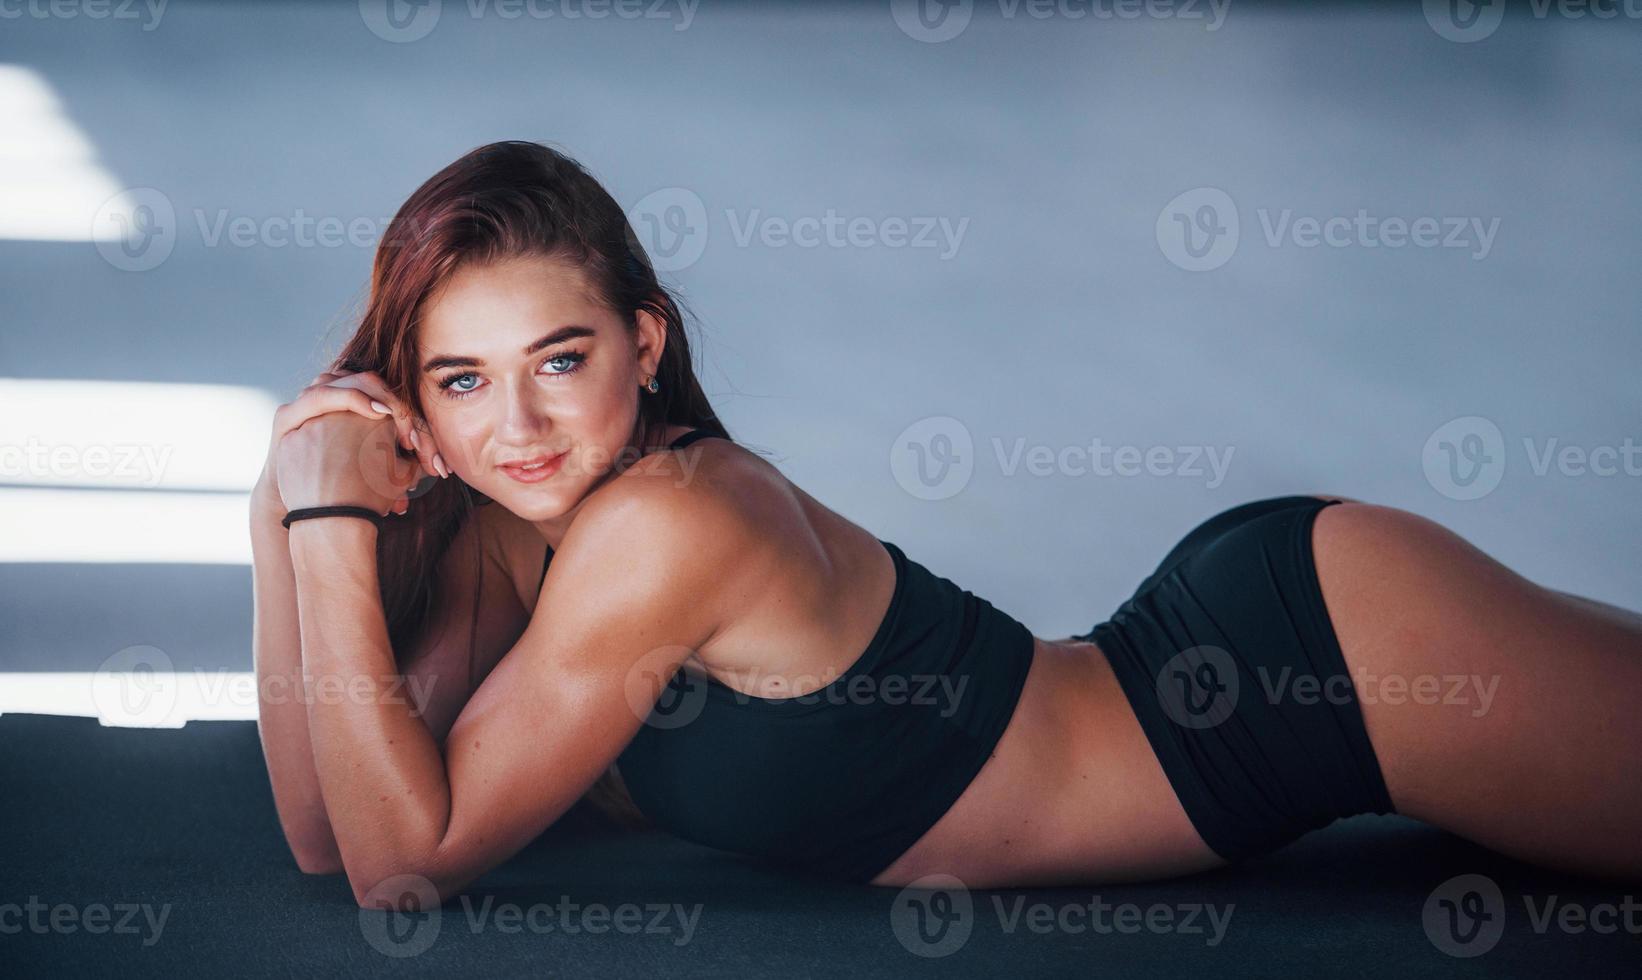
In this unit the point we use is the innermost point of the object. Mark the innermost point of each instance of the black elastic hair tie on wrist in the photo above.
(339, 510)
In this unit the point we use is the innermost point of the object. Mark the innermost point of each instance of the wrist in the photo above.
(266, 508)
(317, 537)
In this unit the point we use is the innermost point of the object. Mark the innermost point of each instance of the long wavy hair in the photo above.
(498, 201)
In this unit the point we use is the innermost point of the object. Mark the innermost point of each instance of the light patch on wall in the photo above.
(51, 184)
(109, 526)
(132, 434)
(127, 471)
(135, 698)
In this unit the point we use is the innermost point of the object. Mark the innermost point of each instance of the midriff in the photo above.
(1073, 793)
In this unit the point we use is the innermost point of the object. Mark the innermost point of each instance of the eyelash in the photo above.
(576, 359)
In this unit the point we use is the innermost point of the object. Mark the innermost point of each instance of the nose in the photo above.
(521, 422)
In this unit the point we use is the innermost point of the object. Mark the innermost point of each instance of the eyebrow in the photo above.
(558, 336)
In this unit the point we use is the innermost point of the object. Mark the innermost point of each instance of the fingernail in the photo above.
(385, 410)
(416, 440)
(439, 461)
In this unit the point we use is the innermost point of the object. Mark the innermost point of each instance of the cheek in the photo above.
(460, 439)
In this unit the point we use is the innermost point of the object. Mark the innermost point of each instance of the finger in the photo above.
(381, 395)
(372, 385)
(421, 442)
(325, 399)
(401, 421)
(427, 453)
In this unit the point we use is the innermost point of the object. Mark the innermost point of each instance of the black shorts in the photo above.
(1228, 657)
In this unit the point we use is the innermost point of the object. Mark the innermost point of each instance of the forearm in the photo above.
(381, 771)
(282, 718)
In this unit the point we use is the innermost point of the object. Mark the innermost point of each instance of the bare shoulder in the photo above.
(707, 469)
(675, 529)
(699, 498)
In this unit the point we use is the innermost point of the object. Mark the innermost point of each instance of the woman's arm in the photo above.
(276, 644)
(282, 717)
(550, 718)
(436, 678)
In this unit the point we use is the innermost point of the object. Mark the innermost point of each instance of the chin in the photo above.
(530, 503)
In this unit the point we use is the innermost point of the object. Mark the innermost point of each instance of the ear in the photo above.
(652, 339)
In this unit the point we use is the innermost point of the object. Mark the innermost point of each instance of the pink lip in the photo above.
(536, 475)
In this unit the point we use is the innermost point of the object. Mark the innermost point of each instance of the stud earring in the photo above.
(651, 384)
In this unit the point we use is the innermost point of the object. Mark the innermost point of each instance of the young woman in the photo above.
(602, 593)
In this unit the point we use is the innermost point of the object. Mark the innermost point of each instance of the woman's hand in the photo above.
(364, 395)
(342, 458)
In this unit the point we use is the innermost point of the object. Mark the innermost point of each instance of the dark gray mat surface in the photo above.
(157, 852)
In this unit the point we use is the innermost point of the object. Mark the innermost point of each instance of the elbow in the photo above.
(407, 887)
(406, 892)
(317, 859)
(318, 864)
(314, 848)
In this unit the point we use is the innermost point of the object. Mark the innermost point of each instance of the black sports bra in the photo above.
(839, 782)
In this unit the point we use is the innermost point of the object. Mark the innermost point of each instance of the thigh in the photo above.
(1407, 599)
(1496, 706)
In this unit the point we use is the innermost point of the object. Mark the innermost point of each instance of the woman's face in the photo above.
(518, 362)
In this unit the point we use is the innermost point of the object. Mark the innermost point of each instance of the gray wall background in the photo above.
(1062, 316)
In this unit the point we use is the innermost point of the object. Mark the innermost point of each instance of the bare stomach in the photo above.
(1072, 794)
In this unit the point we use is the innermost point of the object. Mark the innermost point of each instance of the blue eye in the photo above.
(573, 357)
(451, 389)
